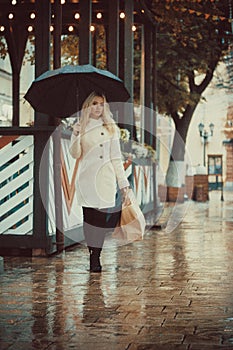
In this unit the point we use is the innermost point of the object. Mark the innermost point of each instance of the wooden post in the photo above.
(42, 64)
(42, 47)
(142, 86)
(129, 64)
(148, 85)
(113, 37)
(85, 51)
(154, 115)
(57, 135)
(128, 47)
(57, 34)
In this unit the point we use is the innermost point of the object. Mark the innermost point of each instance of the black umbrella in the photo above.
(61, 92)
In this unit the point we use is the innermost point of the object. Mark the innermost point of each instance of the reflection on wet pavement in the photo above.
(170, 291)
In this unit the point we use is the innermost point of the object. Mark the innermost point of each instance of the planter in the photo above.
(201, 188)
(175, 194)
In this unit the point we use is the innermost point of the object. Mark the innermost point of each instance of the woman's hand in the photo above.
(124, 196)
(76, 129)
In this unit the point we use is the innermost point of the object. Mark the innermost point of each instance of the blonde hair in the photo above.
(108, 120)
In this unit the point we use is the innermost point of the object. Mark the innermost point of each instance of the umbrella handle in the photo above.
(77, 101)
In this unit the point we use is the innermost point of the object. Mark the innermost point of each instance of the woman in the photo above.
(95, 141)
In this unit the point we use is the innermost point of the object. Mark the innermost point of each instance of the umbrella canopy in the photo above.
(61, 92)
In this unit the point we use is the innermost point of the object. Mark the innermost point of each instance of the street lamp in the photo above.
(205, 135)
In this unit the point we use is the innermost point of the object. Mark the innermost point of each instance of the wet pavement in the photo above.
(173, 290)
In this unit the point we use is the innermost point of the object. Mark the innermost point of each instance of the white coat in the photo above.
(100, 167)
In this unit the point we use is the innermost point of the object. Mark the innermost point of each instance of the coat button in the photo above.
(101, 157)
(101, 145)
(102, 133)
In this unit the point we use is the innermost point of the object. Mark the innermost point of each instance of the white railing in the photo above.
(16, 185)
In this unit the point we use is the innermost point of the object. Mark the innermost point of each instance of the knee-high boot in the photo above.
(95, 265)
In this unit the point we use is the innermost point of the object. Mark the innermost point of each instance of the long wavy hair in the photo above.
(108, 120)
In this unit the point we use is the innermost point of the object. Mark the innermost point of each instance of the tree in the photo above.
(192, 38)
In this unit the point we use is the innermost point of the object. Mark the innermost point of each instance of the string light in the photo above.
(51, 28)
(134, 28)
(30, 28)
(76, 15)
(13, 2)
(63, 2)
(32, 15)
(71, 28)
(2, 28)
(99, 15)
(11, 16)
(92, 28)
(122, 15)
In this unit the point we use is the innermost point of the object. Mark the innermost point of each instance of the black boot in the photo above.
(95, 259)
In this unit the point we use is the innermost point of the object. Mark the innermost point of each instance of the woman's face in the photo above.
(97, 107)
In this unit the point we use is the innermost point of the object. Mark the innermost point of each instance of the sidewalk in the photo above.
(173, 290)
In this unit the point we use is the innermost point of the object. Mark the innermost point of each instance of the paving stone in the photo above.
(210, 347)
(157, 346)
(170, 291)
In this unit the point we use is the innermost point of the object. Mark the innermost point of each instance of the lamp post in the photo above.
(205, 135)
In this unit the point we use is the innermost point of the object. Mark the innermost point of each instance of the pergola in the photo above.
(45, 19)
(48, 21)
